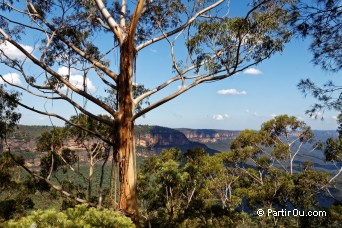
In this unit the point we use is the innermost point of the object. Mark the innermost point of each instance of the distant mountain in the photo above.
(153, 139)
(149, 139)
(215, 139)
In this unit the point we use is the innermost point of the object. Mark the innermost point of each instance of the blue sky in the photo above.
(243, 101)
(247, 99)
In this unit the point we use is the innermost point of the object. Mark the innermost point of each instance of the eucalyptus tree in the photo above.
(278, 143)
(216, 46)
(97, 150)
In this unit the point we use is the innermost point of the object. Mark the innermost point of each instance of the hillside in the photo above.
(215, 139)
(149, 139)
(153, 139)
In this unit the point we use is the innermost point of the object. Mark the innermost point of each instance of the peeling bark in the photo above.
(128, 201)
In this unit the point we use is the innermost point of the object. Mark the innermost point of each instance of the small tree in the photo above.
(97, 150)
(333, 149)
(281, 138)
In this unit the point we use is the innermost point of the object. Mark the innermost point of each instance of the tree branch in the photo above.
(56, 75)
(180, 28)
(76, 49)
(135, 19)
(110, 21)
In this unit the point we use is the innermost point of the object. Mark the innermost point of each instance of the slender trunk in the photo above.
(90, 180)
(107, 151)
(113, 183)
(1, 145)
(128, 201)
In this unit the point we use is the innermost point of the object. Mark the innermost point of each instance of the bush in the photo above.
(80, 216)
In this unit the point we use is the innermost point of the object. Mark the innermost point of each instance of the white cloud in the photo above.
(273, 115)
(77, 80)
(316, 115)
(180, 87)
(220, 117)
(231, 92)
(13, 78)
(255, 114)
(153, 50)
(334, 117)
(14, 52)
(247, 110)
(64, 71)
(300, 118)
(252, 71)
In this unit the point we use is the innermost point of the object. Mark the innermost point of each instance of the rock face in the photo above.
(149, 140)
(208, 136)
(153, 139)
(21, 144)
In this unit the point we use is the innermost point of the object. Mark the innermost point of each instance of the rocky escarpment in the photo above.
(215, 139)
(149, 140)
(153, 139)
(208, 135)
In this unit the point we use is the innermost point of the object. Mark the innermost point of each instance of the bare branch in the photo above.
(59, 77)
(56, 187)
(110, 20)
(209, 78)
(135, 19)
(123, 13)
(59, 117)
(76, 49)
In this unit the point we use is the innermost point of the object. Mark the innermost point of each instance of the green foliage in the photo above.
(56, 161)
(262, 31)
(193, 189)
(321, 20)
(138, 90)
(8, 116)
(12, 203)
(51, 141)
(333, 147)
(328, 96)
(80, 216)
(7, 168)
(16, 206)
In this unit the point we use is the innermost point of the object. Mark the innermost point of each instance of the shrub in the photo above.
(80, 216)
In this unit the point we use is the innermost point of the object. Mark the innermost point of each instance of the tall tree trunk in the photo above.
(128, 201)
